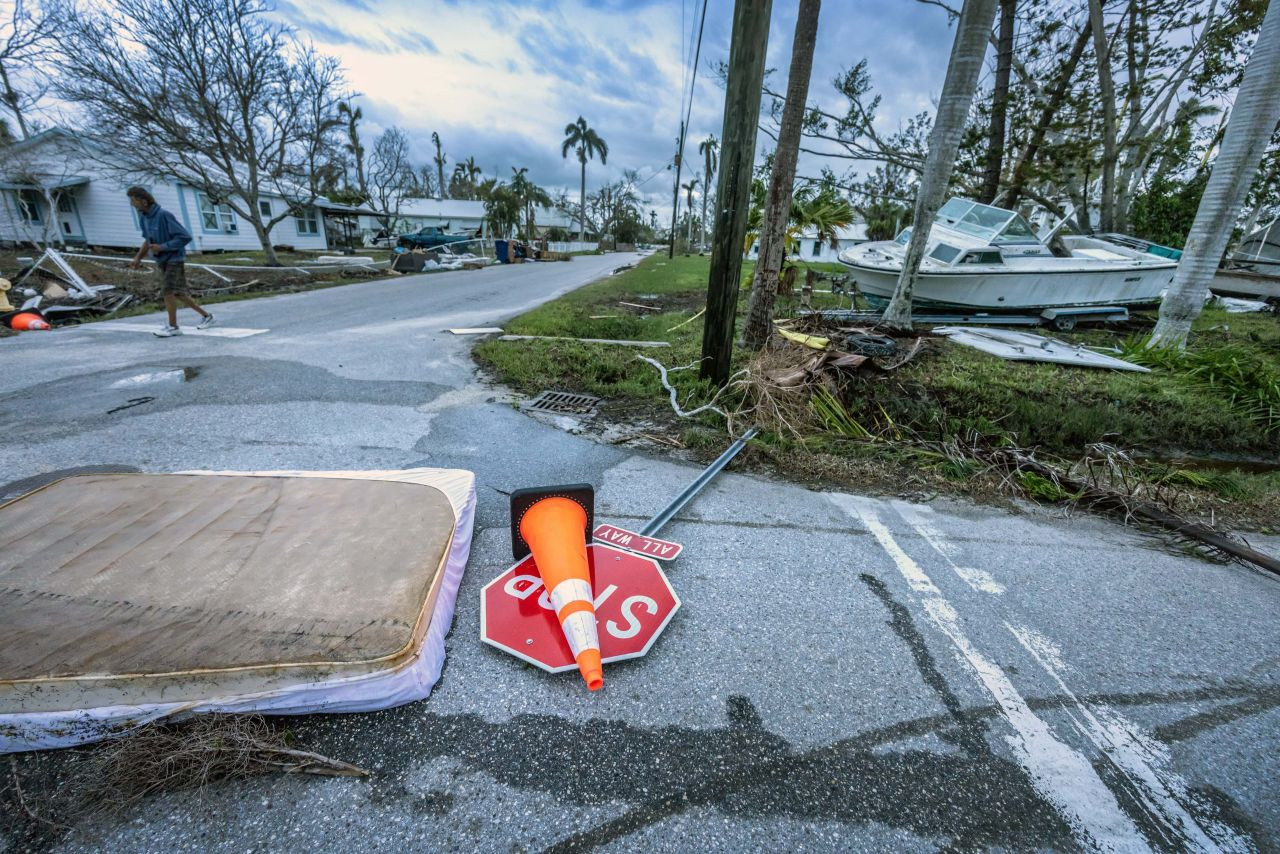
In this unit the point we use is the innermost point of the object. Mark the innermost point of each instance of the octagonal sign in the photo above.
(633, 599)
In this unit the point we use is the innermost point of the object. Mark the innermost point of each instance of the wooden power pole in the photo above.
(733, 191)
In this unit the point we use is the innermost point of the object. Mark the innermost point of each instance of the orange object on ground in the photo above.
(553, 528)
(27, 322)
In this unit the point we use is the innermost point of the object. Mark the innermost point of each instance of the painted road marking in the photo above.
(1062, 775)
(1143, 760)
(214, 332)
(917, 516)
(1160, 793)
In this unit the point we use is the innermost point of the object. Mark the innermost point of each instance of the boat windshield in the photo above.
(903, 237)
(992, 224)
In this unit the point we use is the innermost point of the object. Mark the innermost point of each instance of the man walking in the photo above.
(166, 240)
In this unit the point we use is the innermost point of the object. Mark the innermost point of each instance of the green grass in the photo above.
(1220, 400)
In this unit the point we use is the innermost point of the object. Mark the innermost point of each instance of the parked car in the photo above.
(430, 237)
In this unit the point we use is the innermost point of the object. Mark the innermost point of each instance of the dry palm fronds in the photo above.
(163, 757)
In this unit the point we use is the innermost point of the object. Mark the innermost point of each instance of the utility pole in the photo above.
(733, 191)
(675, 192)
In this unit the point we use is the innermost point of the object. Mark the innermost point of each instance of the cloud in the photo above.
(499, 79)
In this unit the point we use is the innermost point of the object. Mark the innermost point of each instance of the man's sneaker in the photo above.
(167, 332)
(206, 322)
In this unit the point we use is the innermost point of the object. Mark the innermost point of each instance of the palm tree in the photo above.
(353, 115)
(1253, 120)
(530, 194)
(709, 148)
(967, 54)
(586, 142)
(688, 195)
(764, 286)
(439, 159)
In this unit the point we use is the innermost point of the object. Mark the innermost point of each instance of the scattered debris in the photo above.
(585, 340)
(701, 312)
(164, 757)
(1089, 492)
(638, 305)
(1023, 346)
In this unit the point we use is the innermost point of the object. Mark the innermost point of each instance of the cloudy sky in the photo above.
(499, 80)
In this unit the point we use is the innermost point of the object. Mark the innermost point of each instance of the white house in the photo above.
(456, 216)
(89, 207)
(810, 248)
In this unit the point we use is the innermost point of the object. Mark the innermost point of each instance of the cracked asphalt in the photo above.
(846, 673)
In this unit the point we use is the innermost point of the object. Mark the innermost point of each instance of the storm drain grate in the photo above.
(563, 401)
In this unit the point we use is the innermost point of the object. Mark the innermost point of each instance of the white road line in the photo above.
(215, 332)
(1142, 759)
(1063, 776)
(917, 516)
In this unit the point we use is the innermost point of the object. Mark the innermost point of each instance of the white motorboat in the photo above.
(1253, 271)
(985, 258)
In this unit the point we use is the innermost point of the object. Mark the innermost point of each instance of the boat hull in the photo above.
(1237, 283)
(1021, 289)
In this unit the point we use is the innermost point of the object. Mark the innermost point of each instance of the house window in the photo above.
(64, 203)
(817, 248)
(264, 208)
(214, 217)
(29, 207)
(306, 221)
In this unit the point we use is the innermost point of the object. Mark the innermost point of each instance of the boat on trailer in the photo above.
(984, 258)
(1253, 270)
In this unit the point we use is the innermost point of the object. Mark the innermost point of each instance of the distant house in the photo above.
(459, 216)
(456, 216)
(54, 193)
(809, 247)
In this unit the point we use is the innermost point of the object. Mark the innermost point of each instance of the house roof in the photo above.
(43, 183)
(442, 208)
(856, 231)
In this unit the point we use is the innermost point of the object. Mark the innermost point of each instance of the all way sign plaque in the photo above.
(640, 544)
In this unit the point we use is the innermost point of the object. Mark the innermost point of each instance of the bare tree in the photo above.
(1253, 120)
(209, 92)
(391, 178)
(777, 207)
(27, 40)
(967, 54)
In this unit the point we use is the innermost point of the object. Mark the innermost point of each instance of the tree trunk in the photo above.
(264, 237)
(967, 53)
(1056, 98)
(13, 101)
(1107, 92)
(999, 104)
(1253, 120)
(582, 203)
(702, 224)
(777, 208)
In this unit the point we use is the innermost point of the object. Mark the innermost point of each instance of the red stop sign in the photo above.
(633, 599)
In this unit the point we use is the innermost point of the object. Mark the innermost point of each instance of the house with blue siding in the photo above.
(53, 193)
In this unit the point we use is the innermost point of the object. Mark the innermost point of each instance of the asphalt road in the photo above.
(845, 673)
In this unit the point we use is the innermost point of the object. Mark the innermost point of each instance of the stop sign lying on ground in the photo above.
(633, 599)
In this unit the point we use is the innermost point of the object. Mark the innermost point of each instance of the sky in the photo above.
(499, 80)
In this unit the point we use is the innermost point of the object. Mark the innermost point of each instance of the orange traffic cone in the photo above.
(554, 530)
(28, 322)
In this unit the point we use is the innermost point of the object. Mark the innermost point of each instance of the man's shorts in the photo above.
(173, 277)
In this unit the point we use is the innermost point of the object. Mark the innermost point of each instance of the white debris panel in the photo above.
(1026, 347)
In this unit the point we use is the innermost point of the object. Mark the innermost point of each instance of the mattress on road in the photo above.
(126, 597)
